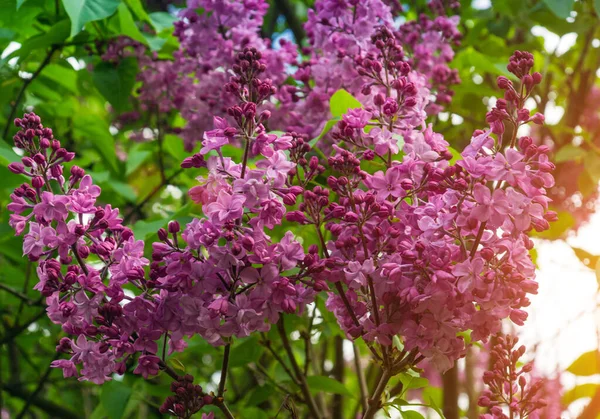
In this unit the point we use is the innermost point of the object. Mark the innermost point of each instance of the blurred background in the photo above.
(42, 68)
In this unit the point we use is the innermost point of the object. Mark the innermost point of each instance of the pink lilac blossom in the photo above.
(221, 277)
(510, 386)
(443, 249)
(444, 253)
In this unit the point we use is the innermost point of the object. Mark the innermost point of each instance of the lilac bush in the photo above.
(418, 246)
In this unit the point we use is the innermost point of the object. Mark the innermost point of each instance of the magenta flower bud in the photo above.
(77, 172)
(487, 253)
(523, 114)
(379, 99)
(84, 251)
(501, 104)
(297, 217)
(543, 149)
(28, 161)
(174, 227)
(207, 399)
(126, 233)
(64, 345)
(538, 118)
(503, 82)
(410, 102)
(162, 234)
(39, 158)
(37, 182)
(44, 143)
(537, 77)
(187, 163)
(264, 115)
(537, 182)
(296, 190)
(17, 168)
(289, 199)
(351, 217)
(55, 145)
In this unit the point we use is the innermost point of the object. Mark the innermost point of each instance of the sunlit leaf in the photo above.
(561, 8)
(84, 11)
(115, 81)
(587, 364)
(320, 383)
(114, 398)
(580, 391)
(341, 102)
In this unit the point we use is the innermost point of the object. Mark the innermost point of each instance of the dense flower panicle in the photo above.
(221, 276)
(418, 243)
(510, 386)
(430, 249)
(340, 39)
(341, 36)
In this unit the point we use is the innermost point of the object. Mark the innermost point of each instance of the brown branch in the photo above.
(301, 378)
(450, 385)
(53, 409)
(25, 299)
(26, 83)
(151, 195)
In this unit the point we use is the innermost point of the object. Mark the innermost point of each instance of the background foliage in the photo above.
(50, 62)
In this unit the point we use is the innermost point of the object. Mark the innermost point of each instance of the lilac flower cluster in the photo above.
(339, 33)
(419, 245)
(341, 44)
(428, 249)
(219, 277)
(511, 386)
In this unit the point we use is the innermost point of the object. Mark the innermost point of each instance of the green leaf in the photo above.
(64, 76)
(245, 353)
(137, 8)
(318, 383)
(20, 3)
(412, 382)
(114, 398)
(578, 392)
(124, 24)
(55, 35)
(597, 7)
(135, 159)
(84, 11)
(586, 258)
(115, 81)
(95, 130)
(411, 414)
(162, 20)
(587, 364)
(569, 152)
(455, 155)
(175, 363)
(174, 146)
(558, 228)
(7, 154)
(144, 229)
(561, 8)
(330, 124)
(341, 102)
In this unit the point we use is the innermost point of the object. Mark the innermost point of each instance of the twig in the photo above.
(362, 383)
(20, 295)
(156, 190)
(37, 390)
(53, 409)
(13, 333)
(375, 400)
(26, 83)
(287, 370)
(310, 401)
(224, 367)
